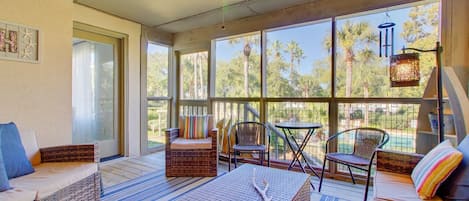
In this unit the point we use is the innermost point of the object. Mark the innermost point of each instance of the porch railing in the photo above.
(193, 107)
(398, 119)
(245, 111)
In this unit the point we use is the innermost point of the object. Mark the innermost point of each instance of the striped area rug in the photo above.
(153, 186)
(156, 186)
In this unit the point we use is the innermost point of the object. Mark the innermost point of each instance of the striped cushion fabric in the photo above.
(434, 168)
(195, 127)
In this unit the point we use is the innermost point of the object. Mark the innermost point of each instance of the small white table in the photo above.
(237, 185)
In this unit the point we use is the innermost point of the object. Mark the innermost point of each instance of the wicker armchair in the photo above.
(365, 142)
(188, 159)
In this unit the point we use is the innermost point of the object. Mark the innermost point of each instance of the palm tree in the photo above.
(277, 46)
(366, 56)
(247, 42)
(296, 54)
(348, 36)
(277, 85)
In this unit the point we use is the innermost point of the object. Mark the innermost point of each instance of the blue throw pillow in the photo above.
(14, 156)
(4, 184)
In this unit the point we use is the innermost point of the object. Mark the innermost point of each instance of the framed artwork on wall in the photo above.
(19, 42)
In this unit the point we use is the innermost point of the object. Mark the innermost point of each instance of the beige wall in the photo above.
(38, 96)
(158, 36)
(455, 38)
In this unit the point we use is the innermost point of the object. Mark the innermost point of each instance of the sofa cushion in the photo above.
(51, 177)
(195, 127)
(14, 156)
(182, 143)
(434, 168)
(4, 184)
(18, 194)
(456, 187)
(393, 186)
(28, 138)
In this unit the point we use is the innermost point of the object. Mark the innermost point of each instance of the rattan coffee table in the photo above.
(237, 185)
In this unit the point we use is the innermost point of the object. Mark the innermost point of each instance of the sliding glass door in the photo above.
(96, 86)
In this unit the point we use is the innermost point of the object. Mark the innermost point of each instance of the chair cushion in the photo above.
(18, 194)
(393, 186)
(28, 138)
(4, 184)
(14, 156)
(434, 168)
(195, 127)
(182, 143)
(226, 131)
(51, 177)
(219, 125)
(348, 158)
(456, 187)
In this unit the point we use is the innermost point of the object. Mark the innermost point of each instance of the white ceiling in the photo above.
(182, 15)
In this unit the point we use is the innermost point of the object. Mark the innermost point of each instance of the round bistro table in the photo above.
(287, 128)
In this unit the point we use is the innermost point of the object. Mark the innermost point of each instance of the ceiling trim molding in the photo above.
(241, 3)
(105, 12)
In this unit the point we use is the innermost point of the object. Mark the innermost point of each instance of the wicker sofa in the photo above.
(61, 173)
(392, 179)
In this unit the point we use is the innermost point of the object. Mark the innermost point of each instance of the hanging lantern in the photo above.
(387, 38)
(404, 70)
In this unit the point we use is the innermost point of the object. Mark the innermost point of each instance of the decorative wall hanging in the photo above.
(19, 42)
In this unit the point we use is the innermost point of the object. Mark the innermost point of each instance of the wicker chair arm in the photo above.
(213, 134)
(71, 153)
(396, 162)
(171, 135)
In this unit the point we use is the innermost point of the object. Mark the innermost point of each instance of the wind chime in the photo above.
(388, 45)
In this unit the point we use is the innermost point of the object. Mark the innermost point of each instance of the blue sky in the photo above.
(310, 37)
(152, 48)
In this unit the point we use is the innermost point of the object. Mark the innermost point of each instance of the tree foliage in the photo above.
(157, 74)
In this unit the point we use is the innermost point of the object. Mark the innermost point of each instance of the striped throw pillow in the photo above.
(195, 127)
(434, 168)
